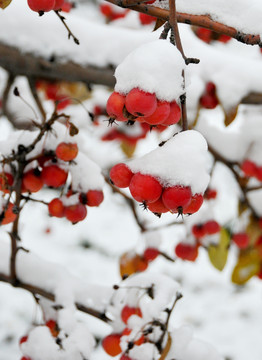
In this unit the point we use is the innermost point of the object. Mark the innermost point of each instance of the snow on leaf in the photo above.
(218, 253)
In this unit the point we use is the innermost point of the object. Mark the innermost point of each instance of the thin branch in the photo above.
(70, 34)
(48, 295)
(197, 20)
(32, 86)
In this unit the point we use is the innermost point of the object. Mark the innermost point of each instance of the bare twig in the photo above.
(32, 86)
(70, 34)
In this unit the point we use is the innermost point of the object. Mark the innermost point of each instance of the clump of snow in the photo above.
(155, 67)
(182, 160)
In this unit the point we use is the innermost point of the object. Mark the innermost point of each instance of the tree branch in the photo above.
(197, 20)
(48, 295)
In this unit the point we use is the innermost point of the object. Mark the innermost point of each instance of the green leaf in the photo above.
(4, 3)
(218, 253)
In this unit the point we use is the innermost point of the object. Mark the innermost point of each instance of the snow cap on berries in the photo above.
(182, 160)
(155, 67)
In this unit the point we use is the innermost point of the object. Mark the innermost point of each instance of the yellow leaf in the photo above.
(230, 115)
(167, 348)
(247, 266)
(218, 253)
(127, 148)
(253, 230)
(4, 3)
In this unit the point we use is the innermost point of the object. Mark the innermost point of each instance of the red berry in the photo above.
(23, 339)
(146, 19)
(208, 101)
(241, 240)
(8, 216)
(32, 180)
(58, 4)
(186, 252)
(174, 116)
(259, 173)
(111, 344)
(56, 208)
(128, 311)
(41, 5)
(140, 103)
(94, 197)
(199, 231)
(115, 106)
(159, 115)
(249, 168)
(53, 176)
(125, 357)
(195, 204)
(25, 358)
(204, 34)
(66, 7)
(151, 254)
(150, 2)
(121, 175)
(224, 38)
(157, 207)
(6, 180)
(75, 213)
(52, 325)
(66, 151)
(177, 198)
(211, 227)
(145, 188)
(106, 10)
(62, 102)
(210, 194)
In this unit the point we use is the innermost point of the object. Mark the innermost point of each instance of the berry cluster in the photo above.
(53, 91)
(144, 107)
(208, 36)
(209, 99)
(46, 5)
(250, 169)
(50, 169)
(148, 190)
(111, 343)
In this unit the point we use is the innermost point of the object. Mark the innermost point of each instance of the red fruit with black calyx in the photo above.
(249, 168)
(157, 207)
(120, 175)
(241, 240)
(195, 204)
(66, 151)
(174, 115)
(204, 34)
(115, 106)
(146, 19)
(32, 181)
(56, 208)
(128, 311)
(159, 115)
(151, 254)
(8, 216)
(111, 344)
(186, 252)
(6, 180)
(140, 103)
(176, 198)
(145, 188)
(41, 5)
(54, 176)
(58, 4)
(94, 197)
(199, 231)
(75, 213)
(212, 227)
